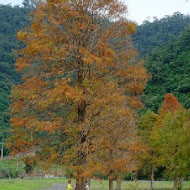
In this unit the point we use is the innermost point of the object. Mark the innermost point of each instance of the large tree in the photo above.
(75, 52)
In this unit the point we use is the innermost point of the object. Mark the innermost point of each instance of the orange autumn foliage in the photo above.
(81, 78)
(169, 105)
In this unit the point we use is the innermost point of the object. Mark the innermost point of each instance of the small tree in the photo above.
(148, 158)
(170, 138)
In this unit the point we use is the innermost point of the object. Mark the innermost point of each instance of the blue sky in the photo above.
(139, 10)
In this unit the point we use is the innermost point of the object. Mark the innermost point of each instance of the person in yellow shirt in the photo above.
(69, 187)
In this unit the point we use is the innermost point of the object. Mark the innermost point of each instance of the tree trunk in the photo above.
(80, 183)
(152, 179)
(110, 184)
(88, 182)
(175, 183)
(118, 186)
(181, 183)
(178, 183)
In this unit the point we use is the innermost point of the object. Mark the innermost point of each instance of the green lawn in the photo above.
(36, 184)
(23, 184)
(139, 185)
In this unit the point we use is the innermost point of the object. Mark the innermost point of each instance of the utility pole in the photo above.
(17, 162)
(2, 147)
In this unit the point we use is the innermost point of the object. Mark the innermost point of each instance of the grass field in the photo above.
(23, 184)
(37, 184)
(139, 185)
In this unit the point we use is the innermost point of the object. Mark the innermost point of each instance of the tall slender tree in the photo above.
(149, 158)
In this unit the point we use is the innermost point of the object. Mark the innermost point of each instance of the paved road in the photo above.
(57, 187)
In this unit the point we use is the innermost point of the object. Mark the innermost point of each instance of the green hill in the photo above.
(170, 69)
(12, 19)
(159, 32)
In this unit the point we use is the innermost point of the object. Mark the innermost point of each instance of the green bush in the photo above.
(8, 173)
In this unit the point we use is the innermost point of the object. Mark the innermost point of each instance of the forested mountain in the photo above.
(168, 64)
(157, 33)
(12, 19)
(170, 69)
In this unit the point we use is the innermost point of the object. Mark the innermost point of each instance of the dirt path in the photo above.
(57, 187)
